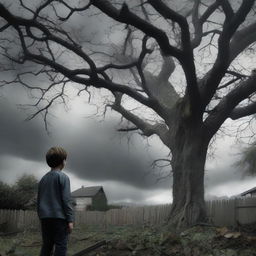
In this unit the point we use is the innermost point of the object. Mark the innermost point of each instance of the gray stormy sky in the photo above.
(96, 155)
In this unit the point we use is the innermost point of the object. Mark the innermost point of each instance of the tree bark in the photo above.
(188, 162)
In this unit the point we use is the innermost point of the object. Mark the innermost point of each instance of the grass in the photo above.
(28, 243)
(128, 240)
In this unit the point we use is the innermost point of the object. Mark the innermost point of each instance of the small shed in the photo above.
(249, 193)
(90, 198)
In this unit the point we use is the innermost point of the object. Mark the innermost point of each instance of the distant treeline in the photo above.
(21, 195)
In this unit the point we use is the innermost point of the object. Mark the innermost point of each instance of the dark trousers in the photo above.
(54, 234)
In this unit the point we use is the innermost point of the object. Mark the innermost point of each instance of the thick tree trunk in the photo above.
(188, 162)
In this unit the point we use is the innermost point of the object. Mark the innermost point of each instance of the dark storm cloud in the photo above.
(225, 174)
(19, 138)
(94, 151)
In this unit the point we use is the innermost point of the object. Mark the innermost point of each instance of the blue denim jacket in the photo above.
(54, 197)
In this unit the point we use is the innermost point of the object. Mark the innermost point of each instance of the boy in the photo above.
(54, 205)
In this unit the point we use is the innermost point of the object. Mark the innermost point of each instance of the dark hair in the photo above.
(55, 156)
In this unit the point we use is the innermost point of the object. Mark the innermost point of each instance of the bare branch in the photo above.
(241, 40)
(187, 59)
(41, 7)
(209, 11)
(226, 7)
(212, 79)
(73, 10)
(232, 81)
(143, 53)
(126, 16)
(165, 160)
(144, 11)
(128, 129)
(16, 21)
(213, 31)
(4, 27)
(198, 22)
(237, 77)
(75, 75)
(228, 103)
(168, 13)
(116, 66)
(197, 25)
(243, 111)
(147, 129)
(236, 74)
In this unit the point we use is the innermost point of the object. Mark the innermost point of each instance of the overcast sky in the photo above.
(97, 154)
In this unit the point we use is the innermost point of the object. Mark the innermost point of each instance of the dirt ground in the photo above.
(151, 241)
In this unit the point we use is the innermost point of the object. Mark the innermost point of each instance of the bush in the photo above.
(7, 198)
(19, 196)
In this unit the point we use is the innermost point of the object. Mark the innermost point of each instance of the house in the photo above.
(249, 193)
(90, 198)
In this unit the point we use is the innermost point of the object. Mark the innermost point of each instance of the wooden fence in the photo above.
(11, 220)
(220, 213)
(232, 212)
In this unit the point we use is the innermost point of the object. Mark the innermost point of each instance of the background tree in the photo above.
(21, 195)
(247, 160)
(26, 191)
(7, 200)
(187, 114)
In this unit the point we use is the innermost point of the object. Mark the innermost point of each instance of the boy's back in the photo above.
(54, 200)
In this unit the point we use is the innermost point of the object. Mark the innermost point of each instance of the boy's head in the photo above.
(55, 157)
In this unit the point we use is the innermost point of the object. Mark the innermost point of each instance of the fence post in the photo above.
(235, 212)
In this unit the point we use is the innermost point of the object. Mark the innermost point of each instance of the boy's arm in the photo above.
(67, 200)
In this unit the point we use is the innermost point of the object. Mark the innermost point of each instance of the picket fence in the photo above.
(220, 213)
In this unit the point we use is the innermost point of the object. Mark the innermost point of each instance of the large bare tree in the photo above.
(153, 32)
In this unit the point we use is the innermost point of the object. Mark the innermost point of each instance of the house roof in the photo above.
(86, 191)
(248, 191)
